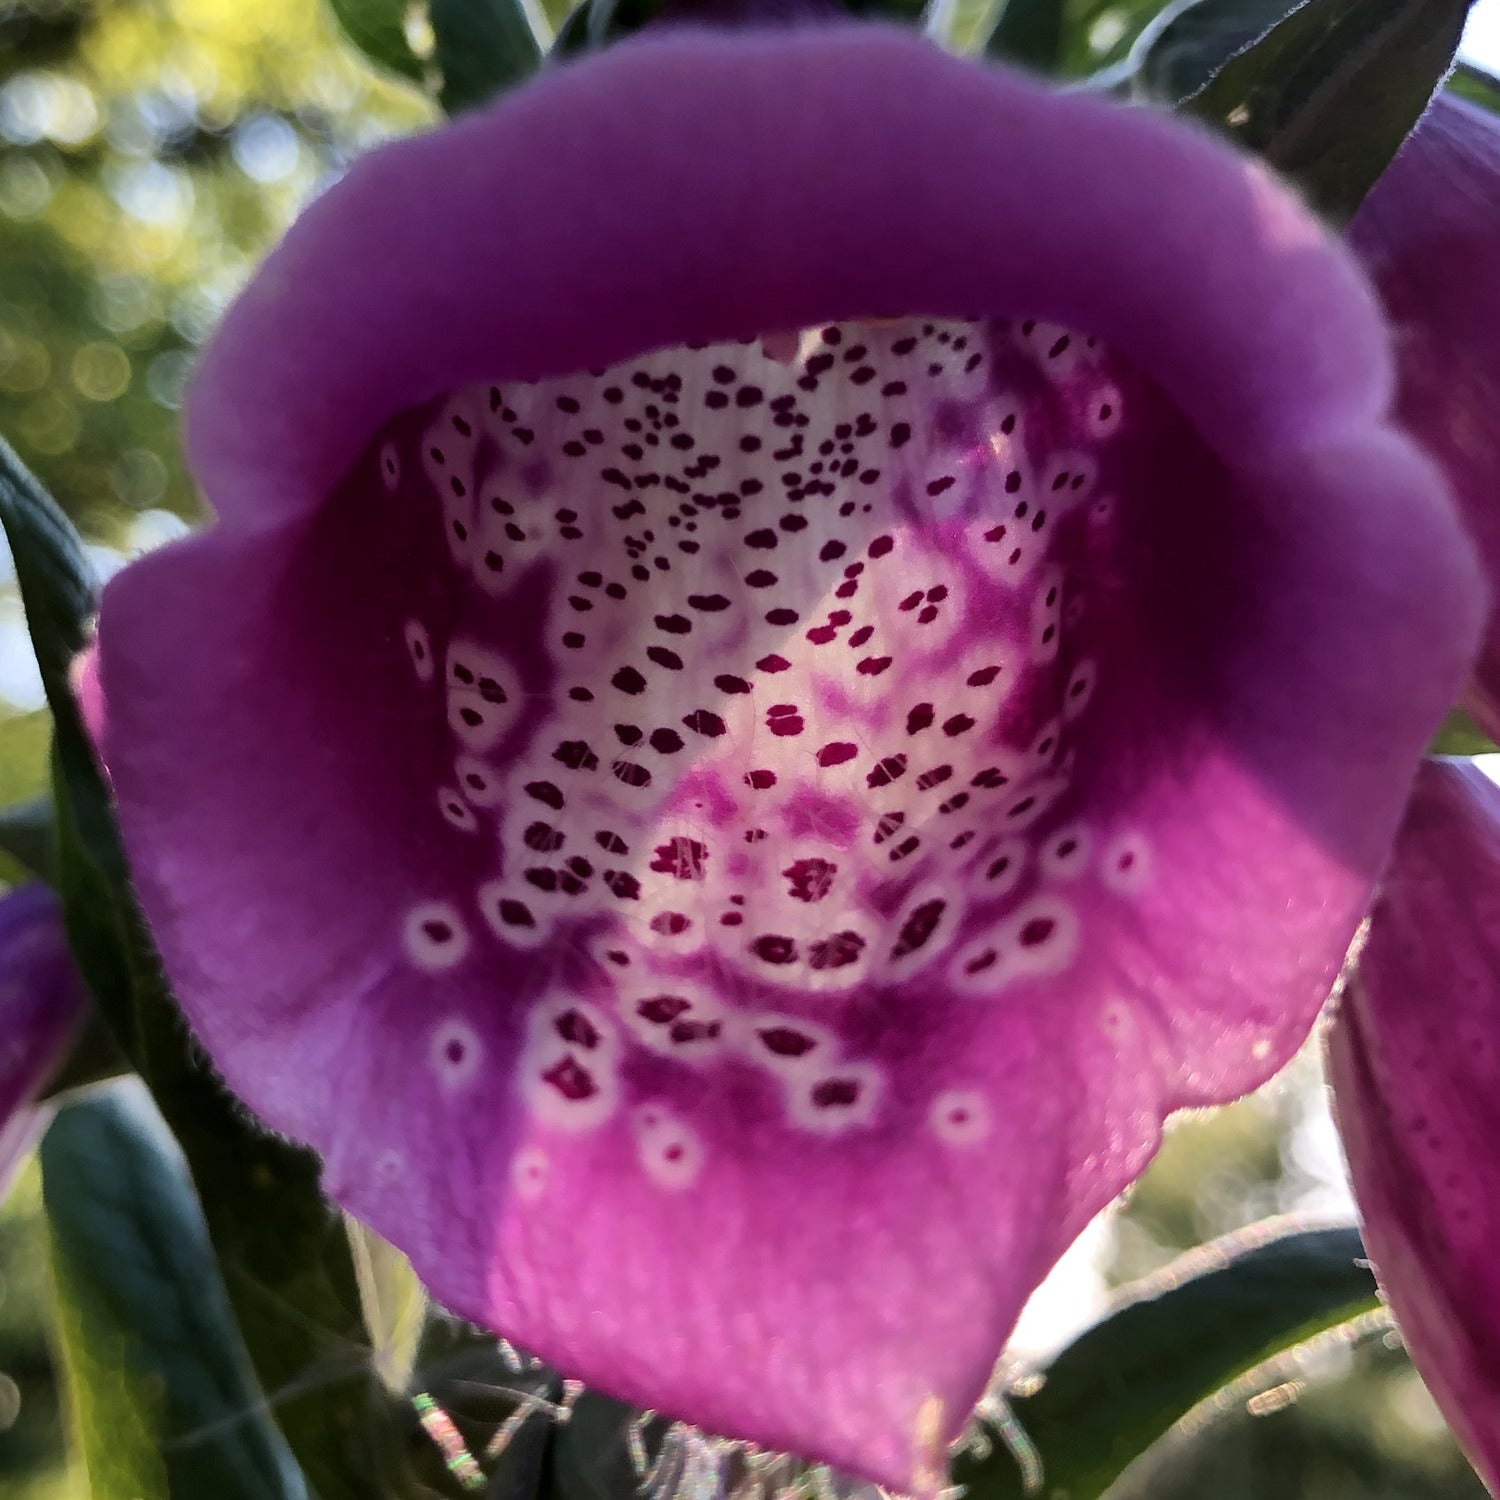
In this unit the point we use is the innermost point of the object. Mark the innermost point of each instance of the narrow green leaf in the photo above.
(484, 47)
(1329, 93)
(1477, 85)
(1191, 40)
(1217, 1314)
(281, 1247)
(378, 29)
(1029, 32)
(165, 1400)
(1460, 735)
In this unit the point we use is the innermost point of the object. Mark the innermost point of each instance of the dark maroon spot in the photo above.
(670, 923)
(887, 825)
(785, 1042)
(900, 434)
(438, 931)
(701, 721)
(471, 716)
(571, 1080)
(674, 624)
(937, 486)
(761, 781)
(781, 616)
(958, 724)
(728, 683)
(887, 771)
(666, 741)
(775, 948)
(773, 663)
(835, 1093)
(918, 927)
(981, 961)
(573, 1026)
(836, 753)
(516, 914)
(761, 578)
(576, 755)
(455, 1051)
(708, 602)
(628, 680)
(662, 1009)
(623, 884)
(543, 837)
(763, 538)
(935, 777)
(542, 878)
(983, 677)
(629, 734)
(611, 843)
(630, 773)
(695, 1031)
(783, 720)
(665, 658)
(881, 545)
(810, 879)
(837, 951)
(990, 778)
(1037, 930)
(681, 858)
(919, 718)
(873, 666)
(546, 793)
(906, 847)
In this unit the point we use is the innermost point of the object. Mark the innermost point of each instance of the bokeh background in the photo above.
(150, 152)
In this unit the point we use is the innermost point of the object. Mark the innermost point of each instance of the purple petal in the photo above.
(730, 842)
(1414, 1060)
(42, 1002)
(1430, 235)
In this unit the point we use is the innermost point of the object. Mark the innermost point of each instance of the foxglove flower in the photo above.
(1414, 1060)
(41, 1007)
(803, 639)
(1430, 234)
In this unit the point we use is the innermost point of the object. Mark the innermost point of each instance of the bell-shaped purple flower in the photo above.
(803, 639)
(1429, 234)
(1414, 1059)
(42, 1002)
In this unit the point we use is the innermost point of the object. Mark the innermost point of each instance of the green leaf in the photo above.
(28, 834)
(1329, 93)
(1477, 85)
(378, 29)
(1191, 40)
(1029, 32)
(484, 47)
(164, 1398)
(281, 1247)
(1460, 735)
(1217, 1314)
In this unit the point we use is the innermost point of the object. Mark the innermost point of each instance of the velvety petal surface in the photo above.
(1414, 1059)
(820, 638)
(1430, 235)
(41, 1007)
